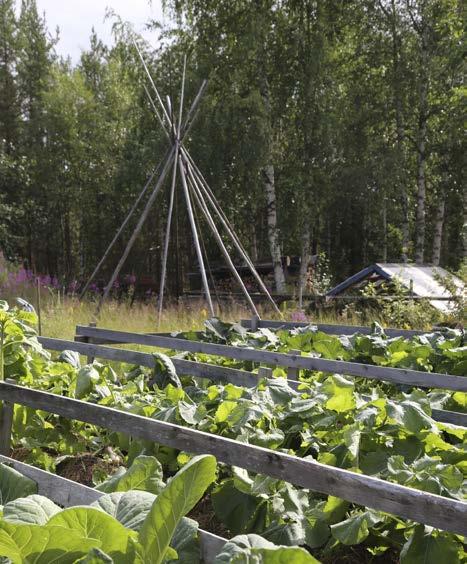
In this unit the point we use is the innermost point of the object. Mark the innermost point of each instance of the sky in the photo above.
(75, 18)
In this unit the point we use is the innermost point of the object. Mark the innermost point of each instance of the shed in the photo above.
(422, 280)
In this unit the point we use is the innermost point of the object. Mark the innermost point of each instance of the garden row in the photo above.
(314, 430)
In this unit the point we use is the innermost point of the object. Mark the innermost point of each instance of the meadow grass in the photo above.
(61, 313)
(60, 319)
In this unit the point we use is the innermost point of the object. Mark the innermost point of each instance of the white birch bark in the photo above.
(273, 231)
(464, 227)
(421, 149)
(304, 262)
(438, 233)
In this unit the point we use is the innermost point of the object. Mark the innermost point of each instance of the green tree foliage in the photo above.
(354, 106)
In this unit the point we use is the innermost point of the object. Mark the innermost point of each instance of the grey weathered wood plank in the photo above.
(293, 373)
(6, 421)
(189, 367)
(67, 493)
(423, 507)
(396, 375)
(332, 329)
(213, 372)
(452, 417)
(62, 491)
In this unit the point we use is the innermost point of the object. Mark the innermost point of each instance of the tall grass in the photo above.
(60, 313)
(59, 319)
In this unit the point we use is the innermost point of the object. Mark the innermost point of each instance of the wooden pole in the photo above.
(215, 232)
(195, 237)
(136, 231)
(176, 134)
(228, 227)
(192, 113)
(39, 312)
(185, 129)
(159, 99)
(122, 227)
(293, 373)
(182, 95)
(167, 237)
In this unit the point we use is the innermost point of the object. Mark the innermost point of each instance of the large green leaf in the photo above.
(14, 485)
(181, 494)
(234, 507)
(86, 378)
(33, 509)
(105, 531)
(9, 549)
(129, 508)
(253, 549)
(354, 530)
(43, 544)
(70, 357)
(340, 392)
(185, 541)
(164, 372)
(95, 556)
(144, 474)
(426, 546)
(410, 415)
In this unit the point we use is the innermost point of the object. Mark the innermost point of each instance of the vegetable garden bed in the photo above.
(375, 440)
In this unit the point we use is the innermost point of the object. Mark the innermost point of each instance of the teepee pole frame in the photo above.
(196, 192)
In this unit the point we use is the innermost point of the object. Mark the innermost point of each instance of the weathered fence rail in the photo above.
(430, 509)
(395, 375)
(332, 329)
(204, 370)
(192, 368)
(68, 493)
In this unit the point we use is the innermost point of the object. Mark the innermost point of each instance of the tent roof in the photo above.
(424, 279)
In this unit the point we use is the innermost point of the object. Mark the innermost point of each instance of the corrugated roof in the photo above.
(426, 280)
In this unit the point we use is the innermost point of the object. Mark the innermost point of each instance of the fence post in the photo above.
(292, 373)
(6, 423)
(90, 359)
(264, 372)
(254, 322)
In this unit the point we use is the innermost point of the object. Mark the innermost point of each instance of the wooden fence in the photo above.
(204, 370)
(293, 361)
(423, 507)
(68, 493)
(332, 329)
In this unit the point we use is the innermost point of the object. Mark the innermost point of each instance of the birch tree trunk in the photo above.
(464, 227)
(254, 236)
(400, 127)
(421, 149)
(304, 261)
(438, 234)
(384, 254)
(273, 231)
(269, 184)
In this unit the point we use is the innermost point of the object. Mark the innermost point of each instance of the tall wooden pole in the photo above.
(136, 231)
(195, 237)
(167, 237)
(215, 232)
(176, 134)
(122, 227)
(228, 227)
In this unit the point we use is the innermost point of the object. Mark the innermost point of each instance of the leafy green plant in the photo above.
(367, 427)
(399, 311)
(35, 530)
(253, 548)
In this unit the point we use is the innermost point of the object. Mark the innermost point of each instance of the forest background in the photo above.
(329, 126)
